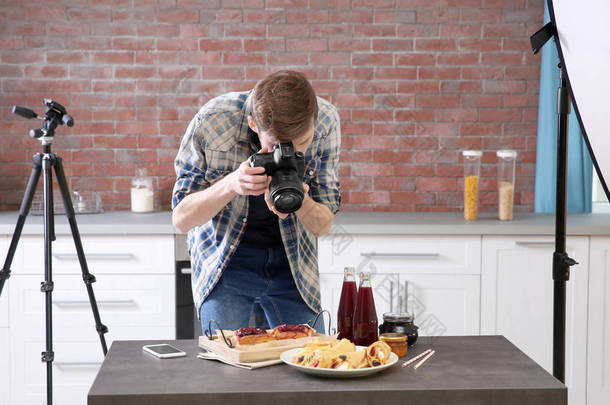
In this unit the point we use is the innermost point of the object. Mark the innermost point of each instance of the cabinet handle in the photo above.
(78, 363)
(406, 302)
(528, 243)
(96, 256)
(402, 255)
(391, 296)
(186, 270)
(78, 303)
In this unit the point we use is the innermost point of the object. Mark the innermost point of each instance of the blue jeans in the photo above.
(256, 289)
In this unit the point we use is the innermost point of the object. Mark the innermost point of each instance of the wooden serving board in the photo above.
(257, 352)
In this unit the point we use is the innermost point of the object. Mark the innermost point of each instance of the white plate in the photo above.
(288, 355)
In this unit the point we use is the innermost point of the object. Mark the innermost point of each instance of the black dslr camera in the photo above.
(286, 168)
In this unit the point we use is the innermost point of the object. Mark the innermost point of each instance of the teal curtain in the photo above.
(580, 168)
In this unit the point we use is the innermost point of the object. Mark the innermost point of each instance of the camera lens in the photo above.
(287, 201)
(286, 191)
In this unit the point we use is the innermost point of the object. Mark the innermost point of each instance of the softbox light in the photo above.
(584, 51)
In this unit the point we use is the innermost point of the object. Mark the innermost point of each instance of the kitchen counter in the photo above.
(115, 222)
(464, 370)
(445, 223)
(453, 223)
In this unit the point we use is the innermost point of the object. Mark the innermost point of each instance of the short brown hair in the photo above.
(284, 104)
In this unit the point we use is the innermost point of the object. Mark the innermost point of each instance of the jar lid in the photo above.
(398, 317)
(472, 153)
(506, 153)
(393, 337)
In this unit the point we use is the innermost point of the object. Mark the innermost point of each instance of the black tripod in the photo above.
(55, 115)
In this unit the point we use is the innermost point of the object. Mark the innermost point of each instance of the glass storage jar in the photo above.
(396, 341)
(472, 171)
(142, 194)
(400, 322)
(506, 183)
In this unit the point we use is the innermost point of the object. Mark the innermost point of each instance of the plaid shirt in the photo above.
(216, 141)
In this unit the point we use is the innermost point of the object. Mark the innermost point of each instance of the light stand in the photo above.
(55, 115)
(561, 261)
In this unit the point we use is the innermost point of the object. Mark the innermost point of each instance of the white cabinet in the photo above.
(598, 365)
(434, 277)
(331, 284)
(135, 293)
(430, 254)
(517, 301)
(5, 375)
(444, 304)
(5, 354)
(4, 296)
(330, 293)
(118, 254)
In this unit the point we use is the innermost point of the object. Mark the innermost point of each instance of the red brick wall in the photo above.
(416, 81)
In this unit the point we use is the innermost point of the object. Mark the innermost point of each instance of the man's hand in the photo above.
(248, 180)
(272, 207)
(270, 204)
(315, 217)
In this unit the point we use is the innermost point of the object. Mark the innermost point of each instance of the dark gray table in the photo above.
(464, 370)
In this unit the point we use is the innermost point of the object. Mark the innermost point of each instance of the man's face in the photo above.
(301, 144)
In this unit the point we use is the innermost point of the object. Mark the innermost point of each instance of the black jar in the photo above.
(399, 322)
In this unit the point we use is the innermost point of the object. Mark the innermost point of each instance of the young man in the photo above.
(253, 266)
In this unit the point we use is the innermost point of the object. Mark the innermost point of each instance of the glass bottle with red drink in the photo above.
(347, 304)
(365, 316)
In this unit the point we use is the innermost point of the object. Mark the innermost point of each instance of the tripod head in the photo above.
(55, 114)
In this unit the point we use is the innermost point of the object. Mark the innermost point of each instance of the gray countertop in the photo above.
(445, 223)
(464, 370)
(115, 222)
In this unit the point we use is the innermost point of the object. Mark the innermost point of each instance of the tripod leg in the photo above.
(26, 203)
(47, 285)
(87, 277)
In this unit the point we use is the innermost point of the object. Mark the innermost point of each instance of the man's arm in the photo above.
(315, 217)
(199, 207)
(323, 200)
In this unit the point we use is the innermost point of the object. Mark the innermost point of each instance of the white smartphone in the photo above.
(163, 351)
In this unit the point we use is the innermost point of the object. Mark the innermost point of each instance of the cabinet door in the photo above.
(77, 361)
(443, 304)
(105, 254)
(598, 372)
(442, 274)
(439, 254)
(330, 293)
(385, 293)
(4, 331)
(132, 308)
(4, 296)
(517, 301)
(5, 361)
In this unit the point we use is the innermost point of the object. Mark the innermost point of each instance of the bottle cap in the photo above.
(398, 317)
(365, 275)
(506, 153)
(472, 153)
